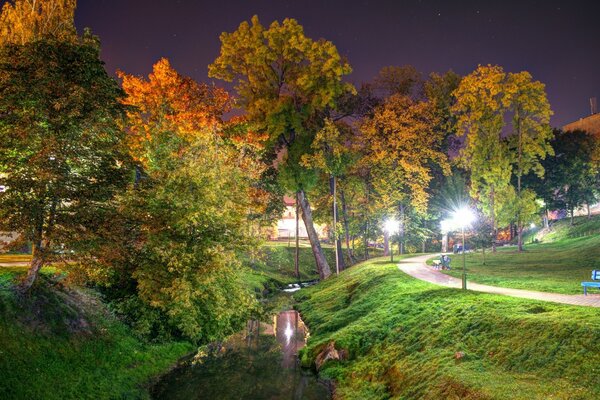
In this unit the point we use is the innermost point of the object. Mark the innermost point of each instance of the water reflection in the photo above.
(259, 363)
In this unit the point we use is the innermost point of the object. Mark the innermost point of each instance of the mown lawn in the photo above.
(402, 336)
(558, 264)
(58, 344)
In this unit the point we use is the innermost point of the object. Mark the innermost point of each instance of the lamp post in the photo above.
(463, 218)
(392, 227)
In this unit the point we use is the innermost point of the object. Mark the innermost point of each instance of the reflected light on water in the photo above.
(289, 332)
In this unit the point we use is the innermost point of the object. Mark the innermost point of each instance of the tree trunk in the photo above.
(321, 261)
(297, 253)
(340, 254)
(424, 242)
(572, 215)
(494, 228)
(386, 244)
(346, 224)
(401, 236)
(332, 182)
(546, 219)
(483, 249)
(519, 175)
(37, 262)
(589, 212)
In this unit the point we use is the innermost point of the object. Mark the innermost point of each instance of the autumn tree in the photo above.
(61, 153)
(402, 144)
(187, 214)
(25, 21)
(480, 109)
(286, 83)
(486, 99)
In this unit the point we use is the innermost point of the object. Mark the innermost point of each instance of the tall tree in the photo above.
(531, 135)
(286, 83)
(402, 145)
(61, 153)
(187, 215)
(480, 109)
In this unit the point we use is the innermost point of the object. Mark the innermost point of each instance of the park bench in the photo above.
(596, 284)
(442, 263)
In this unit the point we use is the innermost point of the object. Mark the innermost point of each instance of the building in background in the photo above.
(286, 225)
(591, 125)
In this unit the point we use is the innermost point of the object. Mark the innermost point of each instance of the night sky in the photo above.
(557, 41)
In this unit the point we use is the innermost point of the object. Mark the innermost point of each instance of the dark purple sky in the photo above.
(557, 41)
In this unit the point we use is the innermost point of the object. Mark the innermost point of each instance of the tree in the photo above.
(186, 216)
(480, 110)
(402, 144)
(61, 153)
(570, 179)
(25, 21)
(286, 83)
(169, 102)
(333, 156)
(531, 136)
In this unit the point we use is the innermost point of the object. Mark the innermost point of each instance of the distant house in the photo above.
(286, 225)
(591, 125)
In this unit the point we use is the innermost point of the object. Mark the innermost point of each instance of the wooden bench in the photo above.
(596, 284)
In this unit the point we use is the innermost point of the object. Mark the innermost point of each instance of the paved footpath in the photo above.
(417, 268)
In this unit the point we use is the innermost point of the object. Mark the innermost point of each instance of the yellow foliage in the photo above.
(24, 21)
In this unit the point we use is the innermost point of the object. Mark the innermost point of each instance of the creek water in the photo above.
(259, 363)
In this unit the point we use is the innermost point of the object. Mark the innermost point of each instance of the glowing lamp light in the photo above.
(391, 226)
(464, 217)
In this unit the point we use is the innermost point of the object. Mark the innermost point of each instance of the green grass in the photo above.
(60, 344)
(563, 259)
(402, 334)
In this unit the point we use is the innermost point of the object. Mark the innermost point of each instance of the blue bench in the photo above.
(595, 277)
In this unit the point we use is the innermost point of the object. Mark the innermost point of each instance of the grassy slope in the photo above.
(47, 351)
(402, 335)
(565, 257)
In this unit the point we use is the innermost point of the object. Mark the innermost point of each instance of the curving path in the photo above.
(417, 268)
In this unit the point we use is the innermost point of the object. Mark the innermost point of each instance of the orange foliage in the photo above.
(170, 102)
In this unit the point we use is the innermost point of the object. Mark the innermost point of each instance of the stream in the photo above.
(258, 363)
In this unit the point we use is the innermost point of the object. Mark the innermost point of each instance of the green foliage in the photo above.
(61, 153)
(282, 77)
(188, 225)
(570, 179)
(402, 336)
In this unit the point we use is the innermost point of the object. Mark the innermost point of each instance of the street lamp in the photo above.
(391, 226)
(463, 217)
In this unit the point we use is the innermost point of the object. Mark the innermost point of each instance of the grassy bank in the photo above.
(564, 257)
(407, 339)
(64, 344)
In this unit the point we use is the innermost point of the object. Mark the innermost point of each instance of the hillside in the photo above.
(61, 343)
(407, 339)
